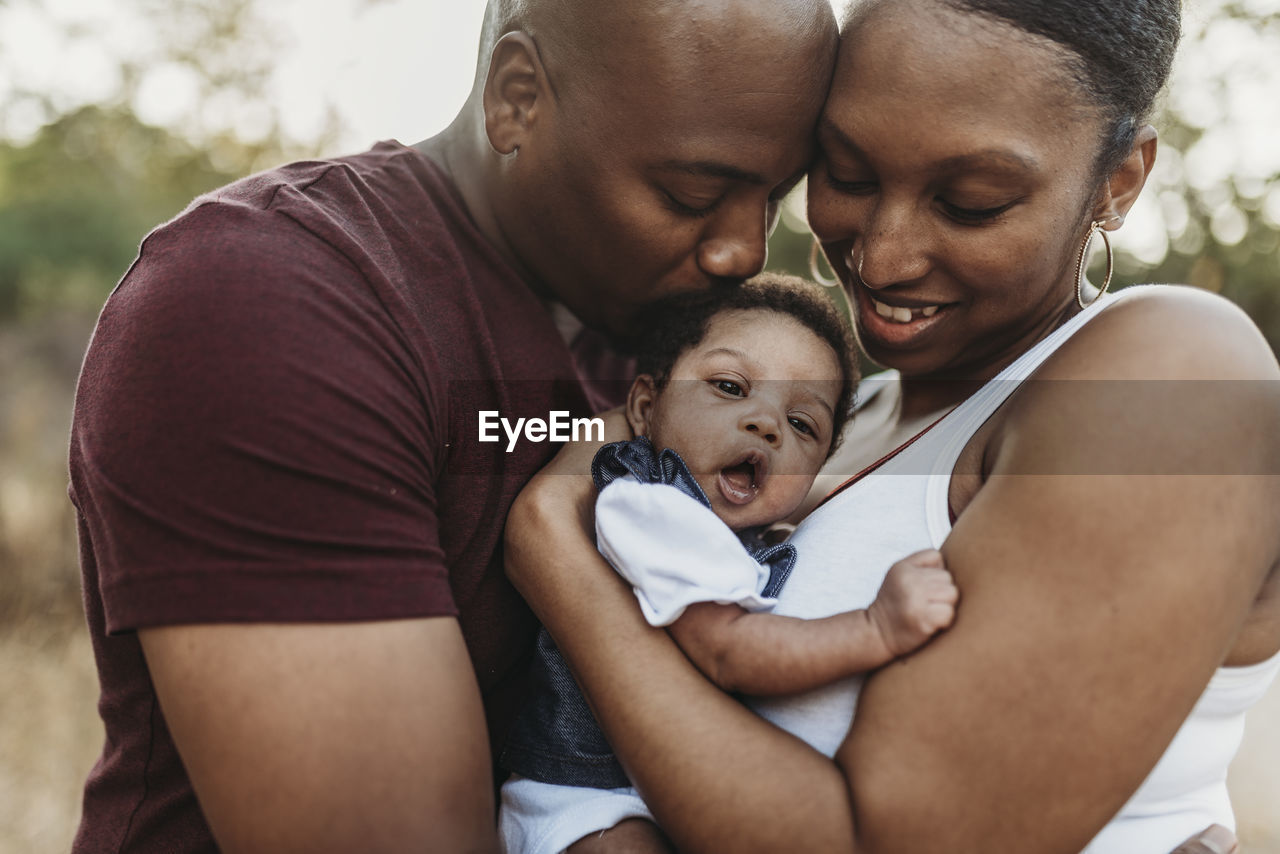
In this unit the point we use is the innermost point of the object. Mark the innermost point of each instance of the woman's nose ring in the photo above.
(856, 264)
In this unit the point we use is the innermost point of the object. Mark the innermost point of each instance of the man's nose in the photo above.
(735, 246)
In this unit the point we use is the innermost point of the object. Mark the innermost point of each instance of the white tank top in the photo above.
(847, 545)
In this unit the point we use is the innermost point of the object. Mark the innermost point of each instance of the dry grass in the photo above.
(49, 729)
(51, 733)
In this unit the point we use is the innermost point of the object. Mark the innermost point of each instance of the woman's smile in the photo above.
(894, 324)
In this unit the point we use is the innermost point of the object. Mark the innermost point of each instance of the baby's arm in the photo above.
(766, 654)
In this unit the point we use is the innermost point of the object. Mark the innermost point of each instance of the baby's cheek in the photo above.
(791, 493)
(707, 480)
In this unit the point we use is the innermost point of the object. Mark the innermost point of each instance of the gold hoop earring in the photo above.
(815, 269)
(1095, 227)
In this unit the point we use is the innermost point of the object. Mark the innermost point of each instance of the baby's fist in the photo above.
(917, 600)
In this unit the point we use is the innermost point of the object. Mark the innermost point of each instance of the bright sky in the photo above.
(401, 69)
(344, 56)
(391, 68)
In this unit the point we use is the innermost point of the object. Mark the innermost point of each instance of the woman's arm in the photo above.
(1097, 604)
(1125, 527)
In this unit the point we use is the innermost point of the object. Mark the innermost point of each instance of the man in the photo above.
(289, 526)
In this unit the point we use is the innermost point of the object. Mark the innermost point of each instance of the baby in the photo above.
(740, 399)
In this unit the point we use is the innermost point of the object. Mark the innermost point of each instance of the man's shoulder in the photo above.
(376, 195)
(388, 171)
(387, 217)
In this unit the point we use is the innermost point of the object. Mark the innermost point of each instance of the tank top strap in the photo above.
(960, 425)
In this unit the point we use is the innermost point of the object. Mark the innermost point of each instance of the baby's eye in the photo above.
(801, 426)
(729, 387)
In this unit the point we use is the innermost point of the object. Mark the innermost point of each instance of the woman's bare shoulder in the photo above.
(1166, 332)
(1166, 379)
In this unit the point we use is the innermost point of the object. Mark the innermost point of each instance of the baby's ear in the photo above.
(644, 391)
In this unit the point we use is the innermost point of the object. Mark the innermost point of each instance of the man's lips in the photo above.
(741, 481)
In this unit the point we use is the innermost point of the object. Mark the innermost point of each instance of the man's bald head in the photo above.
(587, 43)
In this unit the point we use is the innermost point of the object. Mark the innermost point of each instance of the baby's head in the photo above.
(751, 386)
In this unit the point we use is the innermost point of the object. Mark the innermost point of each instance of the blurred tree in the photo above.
(76, 199)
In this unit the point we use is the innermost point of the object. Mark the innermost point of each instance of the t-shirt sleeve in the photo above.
(254, 439)
(674, 551)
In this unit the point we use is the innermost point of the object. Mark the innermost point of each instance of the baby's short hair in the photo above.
(673, 326)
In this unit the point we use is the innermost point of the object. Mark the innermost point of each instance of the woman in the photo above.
(1114, 544)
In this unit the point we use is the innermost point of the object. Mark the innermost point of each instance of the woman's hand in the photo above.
(557, 505)
(575, 457)
(1214, 839)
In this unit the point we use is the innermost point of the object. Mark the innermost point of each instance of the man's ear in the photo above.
(640, 400)
(514, 92)
(1124, 184)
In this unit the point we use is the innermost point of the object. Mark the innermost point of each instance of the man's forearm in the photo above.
(329, 737)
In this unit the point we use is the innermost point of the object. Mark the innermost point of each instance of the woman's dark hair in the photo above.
(1118, 51)
(673, 326)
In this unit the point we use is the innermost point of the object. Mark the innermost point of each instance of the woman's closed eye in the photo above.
(850, 178)
(971, 215)
(851, 186)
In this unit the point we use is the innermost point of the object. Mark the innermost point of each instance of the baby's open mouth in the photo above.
(740, 482)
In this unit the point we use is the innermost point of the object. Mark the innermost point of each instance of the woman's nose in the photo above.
(892, 248)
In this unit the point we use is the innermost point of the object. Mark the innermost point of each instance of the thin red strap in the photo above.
(869, 469)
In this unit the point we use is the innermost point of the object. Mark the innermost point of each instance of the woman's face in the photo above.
(953, 189)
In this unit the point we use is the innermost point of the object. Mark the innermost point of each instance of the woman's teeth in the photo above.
(898, 314)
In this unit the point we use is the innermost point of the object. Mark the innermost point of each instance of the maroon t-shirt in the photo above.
(277, 421)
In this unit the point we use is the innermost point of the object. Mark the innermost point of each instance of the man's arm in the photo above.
(256, 456)
(329, 737)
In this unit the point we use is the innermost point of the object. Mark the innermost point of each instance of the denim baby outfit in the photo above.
(555, 739)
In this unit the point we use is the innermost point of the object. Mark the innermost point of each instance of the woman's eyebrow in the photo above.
(989, 160)
(827, 127)
(985, 160)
